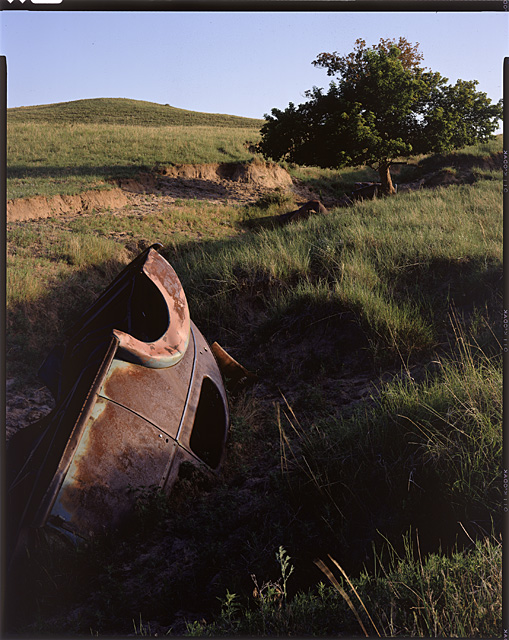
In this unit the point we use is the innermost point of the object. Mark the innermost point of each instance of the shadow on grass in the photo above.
(262, 222)
(48, 172)
(35, 326)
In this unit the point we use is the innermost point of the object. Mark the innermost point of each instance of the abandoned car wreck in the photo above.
(137, 392)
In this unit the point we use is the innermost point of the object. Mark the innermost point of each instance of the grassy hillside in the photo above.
(374, 433)
(70, 147)
(123, 111)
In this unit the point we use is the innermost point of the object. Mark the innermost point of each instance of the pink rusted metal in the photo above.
(129, 408)
(171, 346)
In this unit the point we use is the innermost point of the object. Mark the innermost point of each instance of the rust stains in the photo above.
(169, 349)
(119, 451)
(128, 410)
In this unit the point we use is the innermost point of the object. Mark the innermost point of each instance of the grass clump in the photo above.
(426, 454)
(273, 199)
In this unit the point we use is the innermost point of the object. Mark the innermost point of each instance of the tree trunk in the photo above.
(386, 186)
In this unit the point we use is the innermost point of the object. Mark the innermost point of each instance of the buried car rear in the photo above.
(137, 392)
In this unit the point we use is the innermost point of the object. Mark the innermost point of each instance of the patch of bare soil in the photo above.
(228, 183)
(23, 407)
(46, 207)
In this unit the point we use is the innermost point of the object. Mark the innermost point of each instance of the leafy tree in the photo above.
(381, 105)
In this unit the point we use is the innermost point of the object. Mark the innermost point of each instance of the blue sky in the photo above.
(226, 62)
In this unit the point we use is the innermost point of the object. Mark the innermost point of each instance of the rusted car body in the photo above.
(137, 392)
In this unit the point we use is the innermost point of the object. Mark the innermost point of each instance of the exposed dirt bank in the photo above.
(232, 182)
(262, 174)
(46, 207)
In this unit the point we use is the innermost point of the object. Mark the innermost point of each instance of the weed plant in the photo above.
(407, 595)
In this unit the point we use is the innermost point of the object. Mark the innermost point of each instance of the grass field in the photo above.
(122, 111)
(69, 147)
(372, 442)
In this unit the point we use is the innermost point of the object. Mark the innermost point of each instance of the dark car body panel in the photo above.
(137, 392)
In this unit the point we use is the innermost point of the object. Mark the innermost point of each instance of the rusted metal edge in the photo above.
(74, 438)
(236, 376)
(170, 348)
(190, 386)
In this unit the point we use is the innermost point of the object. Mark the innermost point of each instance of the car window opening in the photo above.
(147, 317)
(209, 429)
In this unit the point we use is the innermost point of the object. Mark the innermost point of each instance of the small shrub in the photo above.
(273, 199)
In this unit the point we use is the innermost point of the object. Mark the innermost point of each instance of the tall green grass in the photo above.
(397, 264)
(69, 147)
(408, 595)
(427, 452)
(47, 159)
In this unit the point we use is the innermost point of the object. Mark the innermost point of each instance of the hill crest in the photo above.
(125, 111)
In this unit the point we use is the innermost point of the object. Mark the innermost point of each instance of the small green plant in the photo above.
(230, 611)
(286, 569)
(273, 199)
(142, 629)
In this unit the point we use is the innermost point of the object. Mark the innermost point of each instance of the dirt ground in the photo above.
(215, 183)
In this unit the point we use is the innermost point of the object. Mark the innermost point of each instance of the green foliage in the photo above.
(436, 596)
(455, 595)
(382, 106)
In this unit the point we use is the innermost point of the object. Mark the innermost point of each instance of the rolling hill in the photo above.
(124, 111)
